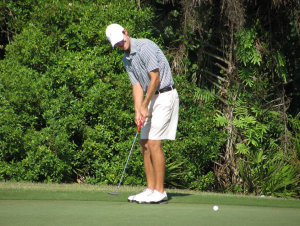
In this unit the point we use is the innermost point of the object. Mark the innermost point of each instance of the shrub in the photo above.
(66, 102)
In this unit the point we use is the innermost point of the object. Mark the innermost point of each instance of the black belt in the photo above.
(166, 89)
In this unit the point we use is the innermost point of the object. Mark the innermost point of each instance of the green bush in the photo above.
(198, 140)
(65, 97)
(66, 101)
(270, 175)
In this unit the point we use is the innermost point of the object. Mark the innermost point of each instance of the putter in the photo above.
(137, 133)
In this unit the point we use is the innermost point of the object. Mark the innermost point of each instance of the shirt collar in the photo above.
(134, 49)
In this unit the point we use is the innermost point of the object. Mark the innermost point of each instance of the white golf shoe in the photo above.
(144, 193)
(155, 198)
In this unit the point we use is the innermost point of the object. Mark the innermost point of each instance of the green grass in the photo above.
(74, 204)
(83, 192)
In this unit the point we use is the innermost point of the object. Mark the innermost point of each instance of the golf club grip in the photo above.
(139, 127)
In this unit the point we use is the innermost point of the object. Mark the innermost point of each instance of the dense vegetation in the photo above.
(66, 104)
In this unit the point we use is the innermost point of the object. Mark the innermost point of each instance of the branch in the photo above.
(220, 66)
(221, 99)
(279, 98)
(217, 57)
(278, 105)
(217, 85)
(216, 48)
(216, 76)
(217, 163)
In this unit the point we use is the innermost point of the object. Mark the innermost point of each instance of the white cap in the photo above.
(114, 33)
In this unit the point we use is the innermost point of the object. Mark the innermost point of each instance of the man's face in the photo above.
(124, 45)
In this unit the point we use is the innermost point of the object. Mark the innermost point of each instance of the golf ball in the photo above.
(215, 208)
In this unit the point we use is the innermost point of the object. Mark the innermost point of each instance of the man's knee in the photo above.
(144, 144)
(154, 145)
(144, 147)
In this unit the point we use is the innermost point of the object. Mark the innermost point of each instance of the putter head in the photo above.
(113, 193)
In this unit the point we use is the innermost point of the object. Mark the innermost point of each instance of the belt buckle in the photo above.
(165, 89)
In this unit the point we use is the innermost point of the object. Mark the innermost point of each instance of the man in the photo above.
(156, 104)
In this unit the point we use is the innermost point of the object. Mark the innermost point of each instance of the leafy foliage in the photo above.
(247, 54)
(196, 148)
(246, 51)
(269, 175)
(67, 103)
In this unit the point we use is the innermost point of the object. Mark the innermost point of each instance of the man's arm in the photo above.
(154, 81)
(138, 95)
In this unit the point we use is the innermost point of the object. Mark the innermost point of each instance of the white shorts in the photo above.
(162, 121)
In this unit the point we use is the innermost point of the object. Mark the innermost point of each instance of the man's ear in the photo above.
(125, 32)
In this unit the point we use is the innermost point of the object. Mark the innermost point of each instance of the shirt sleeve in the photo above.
(149, 57)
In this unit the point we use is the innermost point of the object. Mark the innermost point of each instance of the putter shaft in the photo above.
(136, 135)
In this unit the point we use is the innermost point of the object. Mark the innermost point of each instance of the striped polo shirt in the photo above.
(144, 57)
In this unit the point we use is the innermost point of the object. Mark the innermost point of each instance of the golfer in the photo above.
(156, 104)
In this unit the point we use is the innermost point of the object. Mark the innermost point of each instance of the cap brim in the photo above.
(117, 39)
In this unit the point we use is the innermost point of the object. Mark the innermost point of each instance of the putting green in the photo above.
(66, 212)
(59, 205)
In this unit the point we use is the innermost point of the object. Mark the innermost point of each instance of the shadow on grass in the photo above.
(171, 195)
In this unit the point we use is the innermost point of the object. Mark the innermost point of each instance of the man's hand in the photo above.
(144, 112)
(138, 118)
(140, 104)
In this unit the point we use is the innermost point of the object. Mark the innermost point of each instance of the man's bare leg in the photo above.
(154, 163)
(149, 170)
